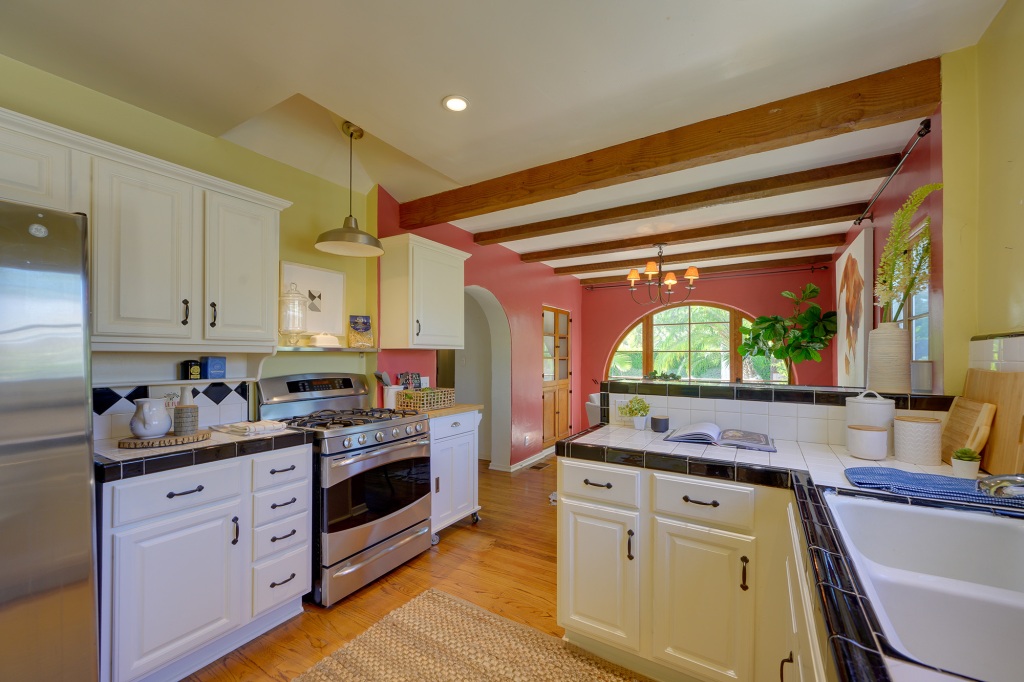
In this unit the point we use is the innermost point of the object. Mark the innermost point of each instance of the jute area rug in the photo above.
(439, 638)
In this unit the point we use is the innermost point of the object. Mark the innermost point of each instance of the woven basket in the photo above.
(433, 399)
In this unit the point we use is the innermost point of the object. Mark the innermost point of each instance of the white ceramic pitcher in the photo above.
(151, 418)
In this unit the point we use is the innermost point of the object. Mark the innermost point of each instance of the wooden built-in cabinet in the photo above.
(422, 294)
(556, 395)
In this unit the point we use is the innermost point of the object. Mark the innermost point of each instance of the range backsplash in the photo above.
(219, 403)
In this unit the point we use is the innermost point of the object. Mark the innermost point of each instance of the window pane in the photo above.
(671, 337)
(673, 315)
(549, 322)
(634, 339)
(709, 366)
(703, 313)
(549, 370)
(563, 370)
(713, 336)
(563, 346)
(628, 364)
(671, 362)
(919, 303)
(549, 346)
(765, 370)
(920, 338)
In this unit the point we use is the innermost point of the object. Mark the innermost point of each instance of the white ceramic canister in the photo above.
(919, 440)
(867, 442)
(877, 411)
(151, 418)
(390, 393)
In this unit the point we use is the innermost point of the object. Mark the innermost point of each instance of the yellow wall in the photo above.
(317, 205)
(1001, 172)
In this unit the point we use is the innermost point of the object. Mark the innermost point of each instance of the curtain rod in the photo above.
(922, 130)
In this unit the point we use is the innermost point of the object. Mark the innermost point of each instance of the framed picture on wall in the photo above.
(325, 297)
(854, 299)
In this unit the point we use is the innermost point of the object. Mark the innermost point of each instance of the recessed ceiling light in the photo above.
(455, 103)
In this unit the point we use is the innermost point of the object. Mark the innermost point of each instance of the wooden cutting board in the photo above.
(967, 426)
(162, 441)
(1004, 453)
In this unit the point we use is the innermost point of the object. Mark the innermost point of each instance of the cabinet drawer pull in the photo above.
(743, 581)
(288, 535)
(782, 666)
(281, 471)
(456, 425)
(597, 485)
(286, 580)
(213, 322)
(417, 327)
(171, 495)
(629, 545)
(188, 310)
(234, 520)
(284, 504)
(437, 484)
(690, 500)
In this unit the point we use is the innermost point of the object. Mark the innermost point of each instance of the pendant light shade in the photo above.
(349, 240)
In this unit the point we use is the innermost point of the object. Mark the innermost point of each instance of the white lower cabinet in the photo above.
(453, 469)
(805, 654)
(674, 576)
(193, 562)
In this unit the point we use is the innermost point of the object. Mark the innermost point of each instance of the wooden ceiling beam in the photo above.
(742, 250)
(777, 264)
(801, 181)
(776, 223)
(900, 94)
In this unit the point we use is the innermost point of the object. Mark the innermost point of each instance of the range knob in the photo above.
(362, 439)
(347, 443)
(408, 430)
(419, 427)
(379, 436)
(394, 432)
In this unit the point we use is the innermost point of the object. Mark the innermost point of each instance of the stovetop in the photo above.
(329, 423)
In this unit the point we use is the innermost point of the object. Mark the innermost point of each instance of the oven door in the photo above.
(369, 497)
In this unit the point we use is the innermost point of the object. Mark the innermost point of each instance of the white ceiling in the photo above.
(546, 80)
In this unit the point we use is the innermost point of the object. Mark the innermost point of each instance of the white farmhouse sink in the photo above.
(947, 586)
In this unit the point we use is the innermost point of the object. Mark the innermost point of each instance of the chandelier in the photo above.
(659, 283)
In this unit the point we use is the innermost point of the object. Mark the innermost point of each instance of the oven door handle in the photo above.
(346, 461)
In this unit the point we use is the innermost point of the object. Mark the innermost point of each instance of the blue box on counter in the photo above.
(213, 367)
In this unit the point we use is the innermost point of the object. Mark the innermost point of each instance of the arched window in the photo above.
(696, 341)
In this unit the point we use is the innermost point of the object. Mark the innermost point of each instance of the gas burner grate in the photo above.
(344, 418)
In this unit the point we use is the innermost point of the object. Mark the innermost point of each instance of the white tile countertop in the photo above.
(825, 463)
(108, 446)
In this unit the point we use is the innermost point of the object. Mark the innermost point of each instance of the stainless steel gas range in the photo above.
(372, 477)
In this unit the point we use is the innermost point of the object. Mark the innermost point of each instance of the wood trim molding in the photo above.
(824, 241)
(737, 267)
(775, 223)
(816, 178)
(900, 94)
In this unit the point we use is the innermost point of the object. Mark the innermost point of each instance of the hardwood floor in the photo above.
(505, 564)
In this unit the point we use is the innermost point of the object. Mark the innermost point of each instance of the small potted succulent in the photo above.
(637, 408)
(965, 463)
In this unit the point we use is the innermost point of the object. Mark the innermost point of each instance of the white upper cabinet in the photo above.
(34, 171)
(421, 294)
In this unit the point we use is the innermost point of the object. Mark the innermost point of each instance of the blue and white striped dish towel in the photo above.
(926, 485)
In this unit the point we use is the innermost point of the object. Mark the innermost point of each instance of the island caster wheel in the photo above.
(434, 538)
(475, 517)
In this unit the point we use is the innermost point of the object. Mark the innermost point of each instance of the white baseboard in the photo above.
(525, 463)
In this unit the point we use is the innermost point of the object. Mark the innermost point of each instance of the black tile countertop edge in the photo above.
(107, 470)
(808, 395)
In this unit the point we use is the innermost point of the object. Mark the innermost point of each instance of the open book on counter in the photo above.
(709, 434)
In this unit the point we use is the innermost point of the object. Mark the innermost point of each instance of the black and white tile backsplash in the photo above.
(219, 403)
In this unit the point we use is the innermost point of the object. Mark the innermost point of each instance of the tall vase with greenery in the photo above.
(903, 271)
(799, 337)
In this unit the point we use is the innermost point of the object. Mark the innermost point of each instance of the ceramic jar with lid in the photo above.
(864, 410)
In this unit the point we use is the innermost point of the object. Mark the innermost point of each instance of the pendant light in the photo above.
(349, 240)
(659, 283)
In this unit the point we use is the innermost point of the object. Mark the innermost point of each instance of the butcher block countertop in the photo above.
(457, 408)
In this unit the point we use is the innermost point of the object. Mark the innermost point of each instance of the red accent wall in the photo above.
(521, 289)
(922, 167)
(607, 313)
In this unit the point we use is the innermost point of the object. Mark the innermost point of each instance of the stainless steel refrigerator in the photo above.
(48, 618)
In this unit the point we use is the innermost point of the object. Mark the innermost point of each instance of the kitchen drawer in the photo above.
(280, 535)
(281, 466)
(704, 500)
(277, 503)
(453, 424)
(169, 492)
(601, 483)
(277, 580)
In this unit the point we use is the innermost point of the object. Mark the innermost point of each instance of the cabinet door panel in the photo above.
(463, 470)
(598, 582)
(176, 587)
(438, 299)
(703, 619)
(441, 500)
(241, 270)
(34, 171)
(142, 255)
